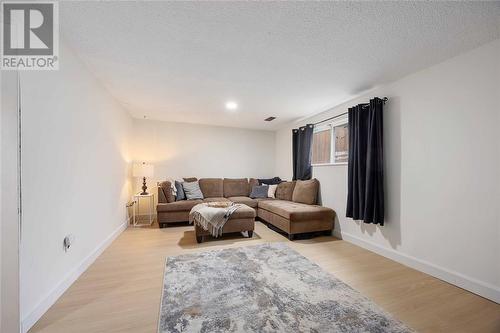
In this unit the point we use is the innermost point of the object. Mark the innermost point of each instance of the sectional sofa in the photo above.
(294, 210)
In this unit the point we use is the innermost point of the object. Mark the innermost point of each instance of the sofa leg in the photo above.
(291, 237)
(327, 232)
(199, 239)
(250, 233)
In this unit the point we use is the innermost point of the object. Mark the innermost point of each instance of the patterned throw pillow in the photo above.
(259, 191)
(192, 190)
(271, 191)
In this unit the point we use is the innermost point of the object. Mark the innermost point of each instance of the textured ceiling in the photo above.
(181, 61)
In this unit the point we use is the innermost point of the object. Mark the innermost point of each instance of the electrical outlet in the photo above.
(68, 242)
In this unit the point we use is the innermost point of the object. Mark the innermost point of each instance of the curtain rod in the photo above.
(384, 99)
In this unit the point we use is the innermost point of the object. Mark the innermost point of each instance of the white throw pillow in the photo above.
(271, 191)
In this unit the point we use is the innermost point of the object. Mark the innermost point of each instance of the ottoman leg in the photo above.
(199, 239)
(291, 237)
(250, 233)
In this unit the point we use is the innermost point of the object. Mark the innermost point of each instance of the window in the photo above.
(321, 147)
(331, 142)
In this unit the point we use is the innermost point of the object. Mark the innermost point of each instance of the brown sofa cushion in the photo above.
(235, 187)
(190, 179)
(263, 199)
(211, 187)
(294, 211)
(177, 206)
(306, 191)
(165, 192)
(284, 191)
(216, 199)
(244, 200)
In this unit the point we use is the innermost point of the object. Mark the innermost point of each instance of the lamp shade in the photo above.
(143, 170)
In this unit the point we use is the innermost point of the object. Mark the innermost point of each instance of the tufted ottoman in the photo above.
(243, 219)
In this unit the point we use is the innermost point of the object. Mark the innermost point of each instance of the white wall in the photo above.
(184, 150)
(75, 178)
(442, 156)
(9, 221)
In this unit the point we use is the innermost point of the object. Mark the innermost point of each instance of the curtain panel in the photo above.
(365, 194)
(301, 152)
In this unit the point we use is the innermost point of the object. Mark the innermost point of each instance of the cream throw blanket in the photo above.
(212, 216)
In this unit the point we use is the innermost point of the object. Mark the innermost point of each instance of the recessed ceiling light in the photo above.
(231, 105)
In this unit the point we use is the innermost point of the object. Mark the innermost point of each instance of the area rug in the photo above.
(263, 288)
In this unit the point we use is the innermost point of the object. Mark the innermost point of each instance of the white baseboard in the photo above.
(473, 285)
(67, 281)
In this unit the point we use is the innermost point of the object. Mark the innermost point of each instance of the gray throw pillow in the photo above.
(259, 191)
(192, 190)
(180, 191)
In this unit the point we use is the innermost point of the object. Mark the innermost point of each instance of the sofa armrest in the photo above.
(161, 195)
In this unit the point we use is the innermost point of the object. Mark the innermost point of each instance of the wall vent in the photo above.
(269, 118)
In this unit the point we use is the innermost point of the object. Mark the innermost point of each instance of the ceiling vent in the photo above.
(269, 118)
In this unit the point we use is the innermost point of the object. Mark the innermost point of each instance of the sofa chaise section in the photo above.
(296, 211)
(296, 218)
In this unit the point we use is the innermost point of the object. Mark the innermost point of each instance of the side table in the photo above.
(151, 204)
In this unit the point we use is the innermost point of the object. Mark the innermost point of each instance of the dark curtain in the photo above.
(365, 193)
(301, 152)
(295, 147)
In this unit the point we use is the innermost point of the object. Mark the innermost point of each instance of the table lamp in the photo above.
(143, 170)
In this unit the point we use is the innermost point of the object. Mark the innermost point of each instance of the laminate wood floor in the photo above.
(121, 290)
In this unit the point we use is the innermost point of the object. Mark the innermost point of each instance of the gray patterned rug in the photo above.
(263, 288)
